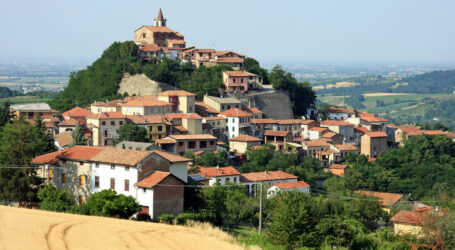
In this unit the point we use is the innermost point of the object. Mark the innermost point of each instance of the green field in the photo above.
(24, 99)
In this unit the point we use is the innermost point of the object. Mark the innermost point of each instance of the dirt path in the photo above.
(22, 228)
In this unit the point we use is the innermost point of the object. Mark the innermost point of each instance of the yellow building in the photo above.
(154, 124)
(182, 101)
(408, 222)
(145, 105)
(105, 127)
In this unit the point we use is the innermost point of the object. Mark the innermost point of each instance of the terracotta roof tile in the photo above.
(268, 176)
(239, 73)
(153, 179)
(276, 133)
(342, 110)
(376, 134)
(253, 110)
(146, 101)
(338, 166)
(229, 60)
(166, 141)
(329, 134)
(373, 119)
(218, 171)
(107, 115)
(386, 199)
(171, 157)
(316, 143)
(235, 112)
(193, 137)
(289, 121)
(69, 122)
(408, 217)
(361, 129)
(205, 107)
(319, 129)
(346, 147)
(245, 138)
(176, 93)
(292, 185)
(264, 121)
(213, 118)
(64, 139)
(336, 123)
(114, 103)
(77, 112)
(120, 156)
(433, 132)
(50, 158)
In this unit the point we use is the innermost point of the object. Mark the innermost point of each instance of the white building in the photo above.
(268, 178)
(299, 186)
(237, 122)
(222, 175)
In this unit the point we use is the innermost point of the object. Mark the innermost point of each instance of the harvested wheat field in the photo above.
(22, 228)
(383, 94)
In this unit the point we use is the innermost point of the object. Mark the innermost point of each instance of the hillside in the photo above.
(34, 229)
(433, 82)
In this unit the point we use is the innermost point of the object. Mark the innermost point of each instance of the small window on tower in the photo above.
(143, 35)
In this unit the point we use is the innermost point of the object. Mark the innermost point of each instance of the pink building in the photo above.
(240, 81)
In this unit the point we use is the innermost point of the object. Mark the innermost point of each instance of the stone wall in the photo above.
(141, 85)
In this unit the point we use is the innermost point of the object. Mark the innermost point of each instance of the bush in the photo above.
(109, 203)
(53, 199)
(166, 218)
(143, 217)
(201, 216)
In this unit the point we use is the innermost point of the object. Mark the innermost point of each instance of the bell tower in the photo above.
(159, 20)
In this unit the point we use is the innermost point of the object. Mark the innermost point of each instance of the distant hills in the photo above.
(430, 83)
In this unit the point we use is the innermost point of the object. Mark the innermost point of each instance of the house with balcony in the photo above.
(241, 143)
(31, 111)
(237, 122)
(179, 144)
(279, 139)
(261, 125)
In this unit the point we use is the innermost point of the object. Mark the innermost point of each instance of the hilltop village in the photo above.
(244, 117)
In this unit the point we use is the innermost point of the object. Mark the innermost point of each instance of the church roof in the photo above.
(160, 16)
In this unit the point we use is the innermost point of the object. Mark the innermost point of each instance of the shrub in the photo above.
(143, 217)
(201, 216)
(166, 218)
(53, 199)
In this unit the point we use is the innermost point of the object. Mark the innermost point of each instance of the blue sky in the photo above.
(419, 31)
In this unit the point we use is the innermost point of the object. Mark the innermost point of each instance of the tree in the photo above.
(439, 229)
(132, 132)
(252, 65)
(53, 199)
(5, 115)
(19, 144)
(109, 203)
(78, 135)
(44, 136)
(293, 221)
(334, 232)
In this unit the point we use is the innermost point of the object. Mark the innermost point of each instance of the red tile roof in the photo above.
(235, 112)
(245, 138)
(146, 101)
(162, 29)
(114, 103)
(408, 217)
(292, 185)
(338, 166)
(376, 134)
(361, 129)
(206, 108)
(146, 119)
(78, 112)
(268, 176)
(329, 134)
(342, 110)
(213, 118)
(289, 121)
(433, 132)
(306, 122)
(64, 139)
(193, 137)
(346, 147)
(336, 123)
(182, 115)
(276, 133)
(253, 110)
(373, 119)
(176, 93)
(69, 122)
(229, 60)
(218, 171)
(239, 73)
(107, 115)
(120, 156)
(319, 129)
(50, 158)
(166, 141)
(153, 179)
(316, 143)
(386, 199)
(263, 121)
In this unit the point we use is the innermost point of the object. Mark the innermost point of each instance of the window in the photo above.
(233, 129)
(81, 163)
(112, 123)
(51, 174)
(112, 166)
(97, 165)
(113, 183)
(160, 128)
(127, 185)
(63, 178)
(181, 144)
(228, 106)
(235, 179)
(159, 110)
(97, 181)
(81, 180)
(127, 168)
(233, 80)
(103, 123)
(81, 200)
(191, 144)
(202, 144)
(120, 123)
(228, 180)
(241, 80)
(144, 190)
(105, 133)
(212, 143)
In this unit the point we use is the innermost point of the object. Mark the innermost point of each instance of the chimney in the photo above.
(266, 172)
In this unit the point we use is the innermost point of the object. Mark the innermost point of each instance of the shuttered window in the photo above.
(127, 185)
(51, 174)
(112, 183)
(63, 178)
(97, 181)
(82, 180)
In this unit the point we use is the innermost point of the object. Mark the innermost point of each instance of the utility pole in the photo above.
(260, 210)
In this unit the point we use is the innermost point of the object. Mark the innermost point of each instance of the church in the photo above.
(159, 34)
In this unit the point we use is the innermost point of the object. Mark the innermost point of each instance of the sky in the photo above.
(412, 31)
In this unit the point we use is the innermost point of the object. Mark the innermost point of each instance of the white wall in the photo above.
(274, 190)
(145, 198)
(338, 116)
(233, 125)
(222, 180)
(105, 174)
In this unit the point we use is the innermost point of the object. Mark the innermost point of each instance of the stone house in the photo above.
(373, 144)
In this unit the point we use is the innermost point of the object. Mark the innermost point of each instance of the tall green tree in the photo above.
(132, 132)
(78, 135)
(19, 144)
(44, 136)
(5, 116)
